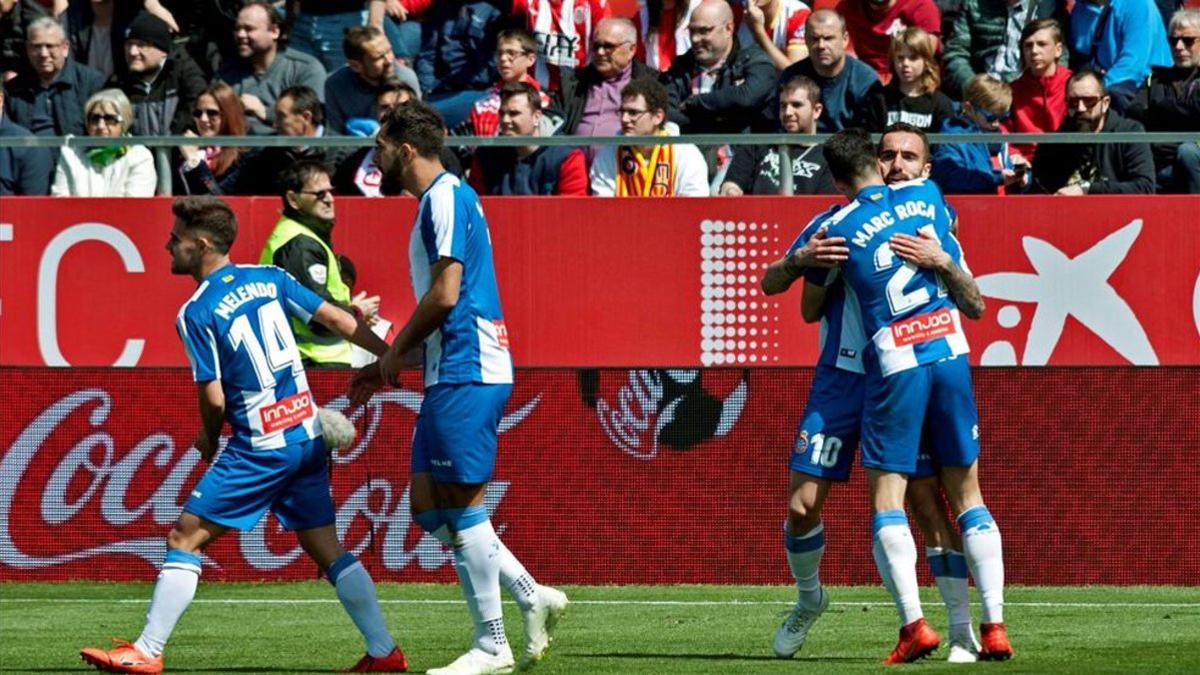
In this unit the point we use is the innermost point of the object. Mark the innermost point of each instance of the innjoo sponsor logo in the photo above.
(287, 413)
(923, 328)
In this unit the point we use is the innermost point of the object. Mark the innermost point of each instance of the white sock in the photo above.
(477, 561)
(516, 579)
(985, 555)
(949, 569)
(356, 591)
(804, 558)
(896, 557)
(173, 592)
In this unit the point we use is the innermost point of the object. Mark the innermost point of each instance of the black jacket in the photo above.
(743, 89)
(1112, 168)
(577, 83)
(164, 107)
(1171, 102)
(73, 87)
(23, 171)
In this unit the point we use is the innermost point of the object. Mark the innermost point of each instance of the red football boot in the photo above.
(122, 658)
(995, 645)
(394, 662)
(917, 640)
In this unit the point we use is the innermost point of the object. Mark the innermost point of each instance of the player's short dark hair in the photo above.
(304, 99)
(905, 128)
(356, 37)
(528, 41)
(210, 215)
(293, 176)
(850, 154)
(530, 92)
(650, 89)
(417, 124)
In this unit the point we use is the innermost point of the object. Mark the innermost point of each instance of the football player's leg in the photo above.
(943, 551)
(305, 507)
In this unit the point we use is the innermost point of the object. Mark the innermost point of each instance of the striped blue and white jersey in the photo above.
(906, 312)
(472, 343)
(842, 338)
(235, 329)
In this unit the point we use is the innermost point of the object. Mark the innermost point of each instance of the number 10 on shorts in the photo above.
(825, 450)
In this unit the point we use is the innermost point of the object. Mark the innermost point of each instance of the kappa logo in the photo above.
(1076, 287)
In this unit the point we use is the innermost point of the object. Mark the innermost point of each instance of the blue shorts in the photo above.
(829, 430)
(934, 403)
(292, 481)
(457, 430)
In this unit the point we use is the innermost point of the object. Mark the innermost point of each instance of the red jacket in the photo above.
(1039, 105)
(871, 31)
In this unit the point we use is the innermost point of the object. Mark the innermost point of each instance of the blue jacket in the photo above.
(458, 46)
(23, 171)
(965, 168)
(1132, 40)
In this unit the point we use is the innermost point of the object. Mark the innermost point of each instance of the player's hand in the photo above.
(367, 306)
(822, 250)
(366, 382)
(390, 365)
(206, 446)
(923, 250)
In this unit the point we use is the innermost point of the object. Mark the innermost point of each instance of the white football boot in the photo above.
(540, 620)
(794, 629)
(478, 662)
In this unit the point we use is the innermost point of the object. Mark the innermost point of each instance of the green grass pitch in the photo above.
(299, 628)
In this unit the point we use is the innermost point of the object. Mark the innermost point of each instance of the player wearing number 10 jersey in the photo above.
(248, 372)
(917, 380)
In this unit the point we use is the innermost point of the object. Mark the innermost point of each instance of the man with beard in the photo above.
(1101, 168)
(302, 244)
(459, 325)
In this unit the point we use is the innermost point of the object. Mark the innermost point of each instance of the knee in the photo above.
(179, 540)
(802, 516)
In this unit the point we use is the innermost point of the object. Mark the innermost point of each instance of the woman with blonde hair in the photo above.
(210, 169)
(111, 170)
(912, 95)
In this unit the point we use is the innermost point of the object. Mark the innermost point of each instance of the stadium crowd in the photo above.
(538, 68)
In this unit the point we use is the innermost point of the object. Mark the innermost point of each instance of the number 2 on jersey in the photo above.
(898, 300)
(276, 351)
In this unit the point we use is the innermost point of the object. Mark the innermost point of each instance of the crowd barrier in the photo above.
(612, 476)
(634, 282)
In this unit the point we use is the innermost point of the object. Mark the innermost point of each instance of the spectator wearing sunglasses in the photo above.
(111, 170)
(1102, 168)
(212, 170)
(979, 168)
(1171, 102)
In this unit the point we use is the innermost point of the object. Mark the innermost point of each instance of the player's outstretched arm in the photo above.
(820, 250)
(350, 328)
(212, 417)
(925, 251)
(430, 313)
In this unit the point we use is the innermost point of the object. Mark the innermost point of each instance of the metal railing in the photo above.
(162, 145)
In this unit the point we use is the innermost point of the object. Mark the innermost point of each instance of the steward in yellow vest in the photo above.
(301, 243)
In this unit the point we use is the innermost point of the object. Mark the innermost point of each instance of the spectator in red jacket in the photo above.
(528, 169)
(516, 57)
(872, 23)
(1040, 94)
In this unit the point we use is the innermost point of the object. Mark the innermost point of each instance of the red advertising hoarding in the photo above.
(632, 282)
(612, 476)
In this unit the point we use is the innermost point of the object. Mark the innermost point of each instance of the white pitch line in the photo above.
(643, 603)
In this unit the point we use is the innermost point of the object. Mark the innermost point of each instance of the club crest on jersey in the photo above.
(287, 413)
(801, 442)
(923, 328)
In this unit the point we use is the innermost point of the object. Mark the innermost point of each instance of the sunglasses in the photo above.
(96, 118)
(199, 113)
(992, 116)
(321, 195)
(1187, 40)
(1088, 102)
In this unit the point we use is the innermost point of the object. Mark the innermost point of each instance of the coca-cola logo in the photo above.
(92, 469)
